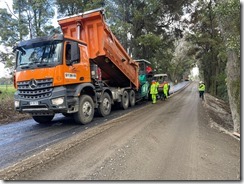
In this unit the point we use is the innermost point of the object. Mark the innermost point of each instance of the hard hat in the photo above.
(153, 81)
(200, 82)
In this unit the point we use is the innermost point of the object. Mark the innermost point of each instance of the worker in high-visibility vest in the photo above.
(201, 89)
(154, 91)
(166, 88)
(157, 84)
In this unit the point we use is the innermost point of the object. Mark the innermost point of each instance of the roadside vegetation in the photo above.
(6, 100)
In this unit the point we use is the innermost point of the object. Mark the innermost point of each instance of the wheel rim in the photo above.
(126, 100)
(132, 98)
(106, 104)
(87, 109)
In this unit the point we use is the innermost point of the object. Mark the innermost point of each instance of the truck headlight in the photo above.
(58, 101)
(16, 103)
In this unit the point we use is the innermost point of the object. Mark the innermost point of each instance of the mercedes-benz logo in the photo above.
(32, 84)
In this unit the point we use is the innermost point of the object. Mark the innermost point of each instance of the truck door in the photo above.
(76, 63)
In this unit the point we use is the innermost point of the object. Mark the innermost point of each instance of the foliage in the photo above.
(35, 14)
(6, 92)
(71, 7)
(230, 10)
(10, 29)
(31, 18)
(153, 27)
(209, 46)
(229, 23)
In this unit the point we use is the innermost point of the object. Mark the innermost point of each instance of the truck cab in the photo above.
(47, 72)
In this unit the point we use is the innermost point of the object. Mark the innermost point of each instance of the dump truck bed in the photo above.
(103, 48)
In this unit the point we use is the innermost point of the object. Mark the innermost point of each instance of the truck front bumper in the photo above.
(57, 102)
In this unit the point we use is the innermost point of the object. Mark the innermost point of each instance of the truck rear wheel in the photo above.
(104, 108)
(86, 110)
(43, 119)
(124, 104)
(132, 98)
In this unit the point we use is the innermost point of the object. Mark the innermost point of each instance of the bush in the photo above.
(6, 93)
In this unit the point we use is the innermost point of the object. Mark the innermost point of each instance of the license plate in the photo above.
(34, 103)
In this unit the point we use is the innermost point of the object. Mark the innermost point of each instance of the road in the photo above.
(170, 140)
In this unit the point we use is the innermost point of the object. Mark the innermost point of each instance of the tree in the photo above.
(209, 47)
(11, 29)
(216, 36)
(229, 23)
(29, 17)
(183, 60)
(149, 25)
(71, 7)
(10, 35)
(36, 15)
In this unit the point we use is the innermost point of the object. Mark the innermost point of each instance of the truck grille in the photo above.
(35, 89)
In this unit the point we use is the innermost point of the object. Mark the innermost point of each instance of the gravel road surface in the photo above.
(170, 140)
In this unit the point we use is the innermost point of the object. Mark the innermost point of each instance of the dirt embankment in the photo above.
(219, 112)
(7, 112)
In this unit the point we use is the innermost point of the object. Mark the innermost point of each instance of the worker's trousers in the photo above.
(166, 93)
(154, 98)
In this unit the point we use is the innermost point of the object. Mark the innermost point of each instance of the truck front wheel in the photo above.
(104, 108)
(86, 110)
(124, 104)
(43, 119)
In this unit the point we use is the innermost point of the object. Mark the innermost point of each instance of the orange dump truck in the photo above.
(83, 70)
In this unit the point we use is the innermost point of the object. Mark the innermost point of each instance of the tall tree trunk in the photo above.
(233, 87)
(229, 29)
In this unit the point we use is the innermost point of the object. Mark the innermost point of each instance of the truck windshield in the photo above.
(39, 54)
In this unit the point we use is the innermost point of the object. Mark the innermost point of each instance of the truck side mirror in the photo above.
(75, 52)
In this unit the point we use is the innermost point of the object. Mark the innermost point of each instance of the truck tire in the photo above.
(132, 98)
(104, 107)
(43, 119)
(124, 104)
(86, 110)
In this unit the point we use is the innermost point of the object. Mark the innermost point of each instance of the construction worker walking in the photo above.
(201, 90)
(154, 91)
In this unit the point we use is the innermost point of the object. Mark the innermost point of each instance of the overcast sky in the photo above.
(3, 4)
